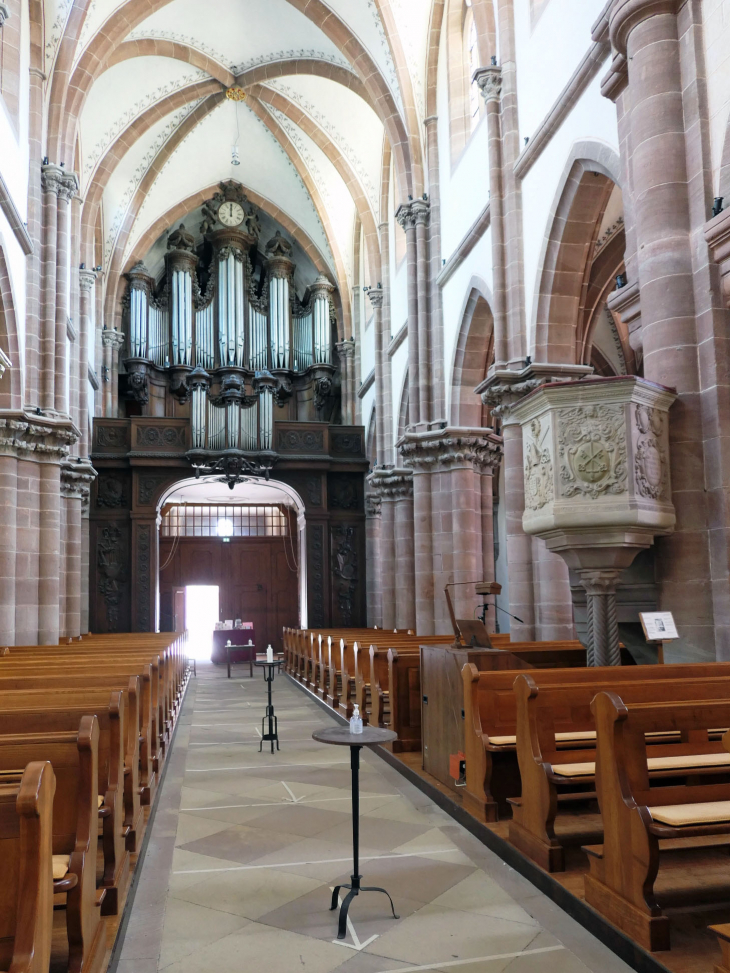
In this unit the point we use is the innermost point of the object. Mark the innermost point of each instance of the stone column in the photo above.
(85, 564)
(487, 511)
(645, 33)
(388, 435)
(26, 558)
(346, 351)
(406, 217)
(490, 84)
(602, 630)
(421, 213)
(112, 342)
(8, 544)
(519, 544)
(52, 178)
(33, 350)
(373, 506)
(76, 478)
(447, 468)
(375, 294)
(439, 411)
(68, 188)
(49, 561)
(405, 607)
(397, 577)
(86, 297)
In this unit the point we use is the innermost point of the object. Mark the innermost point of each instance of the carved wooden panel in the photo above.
(344, 491)
(111, 435)
(144, 538)
(317, 575)
(109, 593)
(111, 491)
(161, 436)
(347, 442)
(299, 438)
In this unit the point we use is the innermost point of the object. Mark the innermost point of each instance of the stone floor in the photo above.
(246, 846)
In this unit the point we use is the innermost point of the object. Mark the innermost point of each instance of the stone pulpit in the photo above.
(597, 490)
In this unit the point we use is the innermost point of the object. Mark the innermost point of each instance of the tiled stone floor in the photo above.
(245, 848)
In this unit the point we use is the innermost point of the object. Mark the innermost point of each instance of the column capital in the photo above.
(391, 483)
(373, 505)
(69, 186)
(504, 387)
(627, 14)
(489, 81)
(87, 278)
(113, 338)
(346, 348)
(717, 235)
(77, 475)
(453, 446)
(52, 178)
(375, 296)
(414, 212)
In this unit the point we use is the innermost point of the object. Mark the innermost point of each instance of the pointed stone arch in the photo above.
(10, 383)
(473, 354)
(590, 173)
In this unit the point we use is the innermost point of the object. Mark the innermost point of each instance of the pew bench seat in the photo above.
(657, 765)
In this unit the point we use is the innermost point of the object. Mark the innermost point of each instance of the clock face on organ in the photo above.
(230, 214)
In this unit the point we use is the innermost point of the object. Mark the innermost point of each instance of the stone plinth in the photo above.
(597, 488)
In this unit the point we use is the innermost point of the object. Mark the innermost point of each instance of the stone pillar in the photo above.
(85, 565)
(76, 478)
(8, 544)
(439, 411)
(26, 558)
(375, 294)
(405, 593)
(49, 561)
(346, 351)
(68, 188)
(645, 33)
(490, 84)
(33, 362)
(406, 217)
(487, 511)
(388, 434)
(87, 279)
(373, 506)
(51, 182)
(112, 342)
(421, 213)
(447, 468)
(602, 630)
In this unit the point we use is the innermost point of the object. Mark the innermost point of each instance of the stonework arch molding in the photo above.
(252, 490)
(473, 354)
(10, 383)
(591, 172)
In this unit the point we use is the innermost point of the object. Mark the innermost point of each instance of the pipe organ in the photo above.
(223, 337)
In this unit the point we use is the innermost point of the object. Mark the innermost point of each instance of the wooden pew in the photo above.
(490, 723)
(26, 891)
(74, 758)
(112, 732)
(550, 775)
(73, 682)
(637, 817)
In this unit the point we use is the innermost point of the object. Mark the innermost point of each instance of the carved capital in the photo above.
(113, 338)
(503, 397)
(600, 582)
(447, 448)
(392, 483)
(51, 178)
(627, 14)
(76, 479)
(717, 234)
(373, 505)
(69, 186)
(346, 349)
(490, 82)
(321, 287)
(87, 279)
(375, 296)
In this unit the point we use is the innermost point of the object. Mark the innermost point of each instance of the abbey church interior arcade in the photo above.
(394, 334)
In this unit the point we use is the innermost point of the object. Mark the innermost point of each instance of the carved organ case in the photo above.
(223, 339)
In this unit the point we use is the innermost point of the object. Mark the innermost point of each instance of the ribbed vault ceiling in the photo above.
(139, 95)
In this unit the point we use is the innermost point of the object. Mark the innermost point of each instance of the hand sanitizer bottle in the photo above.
(269, 654)
(356, 720)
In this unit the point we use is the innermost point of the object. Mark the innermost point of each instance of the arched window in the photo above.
(463, 59)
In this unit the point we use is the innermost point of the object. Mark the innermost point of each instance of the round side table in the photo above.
(371, 736)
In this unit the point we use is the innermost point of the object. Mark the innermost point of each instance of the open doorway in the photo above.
(201, 614)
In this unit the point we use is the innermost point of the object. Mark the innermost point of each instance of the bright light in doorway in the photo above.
(201, 614)
(224, 527)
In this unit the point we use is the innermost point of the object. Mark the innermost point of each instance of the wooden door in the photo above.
(178, 618)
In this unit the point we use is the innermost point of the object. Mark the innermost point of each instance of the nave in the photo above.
(245, 846)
